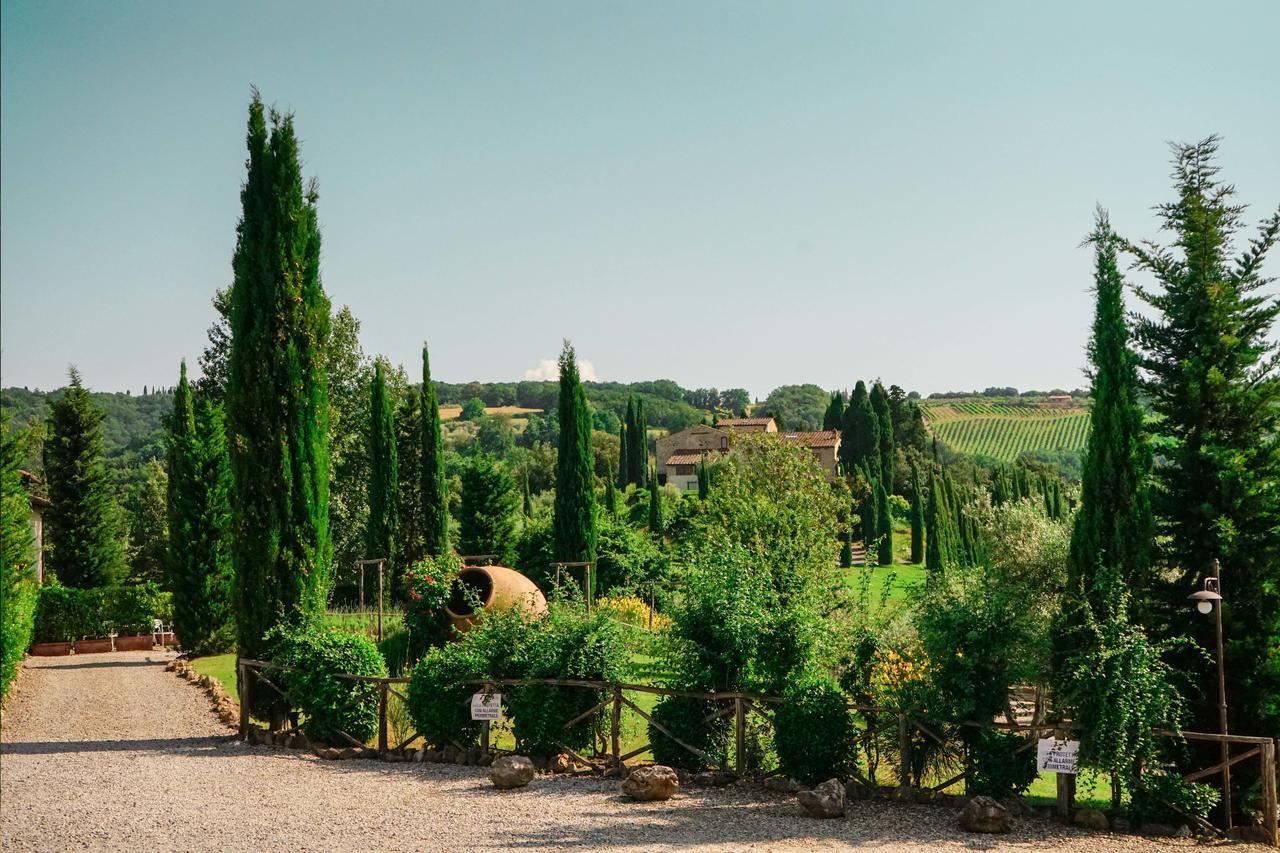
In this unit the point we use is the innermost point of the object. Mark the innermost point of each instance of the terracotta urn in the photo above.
(492, 588)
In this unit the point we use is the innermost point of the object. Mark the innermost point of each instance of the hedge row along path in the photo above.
(111, 752)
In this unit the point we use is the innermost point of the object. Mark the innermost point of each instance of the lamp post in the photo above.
(1209, 600)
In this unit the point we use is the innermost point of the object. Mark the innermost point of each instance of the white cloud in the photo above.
(549, 369)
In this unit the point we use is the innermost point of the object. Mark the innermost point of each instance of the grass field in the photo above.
(449, 413)
(1002, 430)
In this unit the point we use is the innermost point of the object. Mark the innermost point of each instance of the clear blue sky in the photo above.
(724, 194)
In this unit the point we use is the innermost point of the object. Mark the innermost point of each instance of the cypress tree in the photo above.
(833, 418)
(884, 426)
(84, 522)
(486, 517)
(1213, 376)
(527, 500)
(860, 441)
(846, 551)
(574, 525)
(704, 479)
(885, 519)
(630, 444)
(610, 496)
(277, 406)
(624, 458)
(434, 491)
(655, 505)
(409, 544)
(940, 535)
(917, 516)
(639, 445)
(384, 470)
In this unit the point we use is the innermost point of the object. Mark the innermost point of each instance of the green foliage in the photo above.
(439, 695)
(997, 769)
(487, 515)
(884, 519)
(655, 505)
(409, 543)
(428, 585)
(567, 643)
(65, 614)
(143, 507)
(433, 493)
(796, 407)
(833, 418)
(131, 610)
(84, 523)
(814, 730)
(308, 660)
(350, 374)
(686, 718)
(917, 515)
(884, 429)
(1162, 796)
(277, 403)
(384, 471)
(198, 509)
(860, 440)
(18, 591)
(574, 522)
(472, 410)
(627, 558)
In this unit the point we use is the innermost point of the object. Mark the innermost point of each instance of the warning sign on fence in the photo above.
(486, 706)
(1058, 756)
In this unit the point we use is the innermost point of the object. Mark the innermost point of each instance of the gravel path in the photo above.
(112, 752)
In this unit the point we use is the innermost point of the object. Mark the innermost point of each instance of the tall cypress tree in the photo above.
(884, 425)
(885, 521)
(1213, 376)
(860, 441)
(277, 397)
(84, 522)
(384, 470)
(632, 445)
(833, 418)
(655, 505)
(574, 525)
(434, 491)
(610, 496)
(526, 505)
(939, 527)
(639, 444)
(409, 544)
(917, 516)
(704, 479)
(624, 458)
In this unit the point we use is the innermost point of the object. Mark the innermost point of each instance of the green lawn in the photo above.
(899, 580)
(221, 667)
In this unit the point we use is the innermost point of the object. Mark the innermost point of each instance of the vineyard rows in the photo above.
(964, 410)
(1006, 437)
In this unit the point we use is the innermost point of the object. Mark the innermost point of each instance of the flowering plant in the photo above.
(429, 582)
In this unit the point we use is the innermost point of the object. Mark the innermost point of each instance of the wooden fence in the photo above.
(740, 706)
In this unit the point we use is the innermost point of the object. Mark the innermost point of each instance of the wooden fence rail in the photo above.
(740, 706)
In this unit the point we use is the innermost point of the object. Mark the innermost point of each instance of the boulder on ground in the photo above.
(983, 814)
(824, 801)
(511, 771)
(781, 784)
(1091, 819)
(713, 778)
(651, 783)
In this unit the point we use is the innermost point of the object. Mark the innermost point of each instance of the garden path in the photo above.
(110, 752)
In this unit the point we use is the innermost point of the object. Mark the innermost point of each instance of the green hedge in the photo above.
(686, 718)
(814, 731)
(307, 659)
(65, 614)
(17, 623)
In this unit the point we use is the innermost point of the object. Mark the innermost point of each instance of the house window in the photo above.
(724, 442)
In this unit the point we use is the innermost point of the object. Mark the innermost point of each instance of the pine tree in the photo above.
(486, 515)
(574, 525)
(84, 523)
(277, 406)
(885, 520)
(917, 516)
(434, 491)
(655, 505)
(884, 425)
(384, 471)
(199, 554)
(1213, 377)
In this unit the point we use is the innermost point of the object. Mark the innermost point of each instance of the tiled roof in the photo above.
(743, 422)
(825, 438)
(688, 457)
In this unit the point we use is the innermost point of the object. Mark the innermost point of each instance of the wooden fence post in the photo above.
(246, 697)
(1066, 794)
(382, 717)
(615, 734)
(904, 752)
(1270, 807)
(739, 736)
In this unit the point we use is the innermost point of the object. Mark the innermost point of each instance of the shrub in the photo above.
(59, 614)
(17, 625)
(438, 695)
(813, 730)
(633, 611)
(996, 767)
(308, 659)
(428, 584)
(686, 718)
(567, 643)
(132, 610)
(65, 613)
(1164, 797)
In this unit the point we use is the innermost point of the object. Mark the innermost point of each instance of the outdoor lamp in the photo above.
(1205, 598)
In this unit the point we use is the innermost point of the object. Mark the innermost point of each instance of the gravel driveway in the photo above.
(112, 752)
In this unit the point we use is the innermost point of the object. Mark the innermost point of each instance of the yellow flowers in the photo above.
(633, 611)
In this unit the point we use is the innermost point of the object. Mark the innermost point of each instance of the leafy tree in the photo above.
(884, 425)
(575, 510)
(472, 410)
(199, 515)
(277, 397)
(486, 518)
(214, 361)
(18, 589)
(1213, 377)
(796, 407)
(917, 516)
(384, 468)
(84, 521)
(434, 492)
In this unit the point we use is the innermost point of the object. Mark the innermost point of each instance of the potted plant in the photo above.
(132, 612)
(94, 625)
(57, 621)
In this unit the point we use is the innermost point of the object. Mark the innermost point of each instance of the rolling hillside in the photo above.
(1004, 429)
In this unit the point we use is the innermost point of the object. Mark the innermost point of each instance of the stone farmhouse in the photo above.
(680, 453)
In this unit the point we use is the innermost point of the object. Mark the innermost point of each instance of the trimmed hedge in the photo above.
(813, 730)
(686, 718)
(308, 659)
(439, 695)
(65, 614)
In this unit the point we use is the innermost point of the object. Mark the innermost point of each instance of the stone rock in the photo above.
(420, 755)
(1091, 819)
(1157, 830)
(561, 763)
(647, 784)
(486, 759)
(511, 771)
(904, 794)
(449, 755)
(1256, 833)
(1121, 824)
(432, 756)
(713, 778)
(1183, 831)
(781, 784)
(824, 801)
(330, 754)
(983, 814)
(924, 795)
(855, 790)
(1017, 806)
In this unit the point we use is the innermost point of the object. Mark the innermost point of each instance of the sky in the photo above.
(727, 194)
